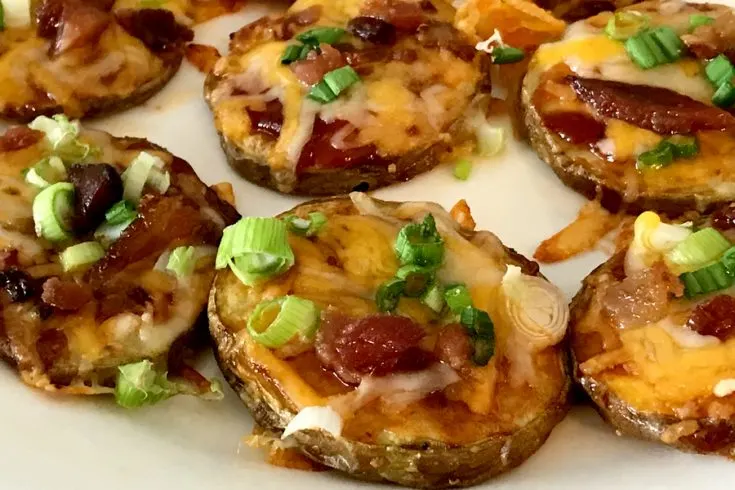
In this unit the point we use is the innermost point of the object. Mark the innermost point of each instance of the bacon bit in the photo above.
(657, 109)
(462, 214)
(51, 346)
(453, 346)
(716, 317)
(262, 30)
(724, 217)
(156, 28)
(225, 192)
(302, 18)
(19, 138)
(203, 57)
(712, 438)
(375, 345)
(643, 297)
(589, 227)
(444, 35)
(65, 295)
(520, 22)
(316, 65)
(405, 16)
(708, 41)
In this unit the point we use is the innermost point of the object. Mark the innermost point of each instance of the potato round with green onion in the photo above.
(653, 334)
(390, 342)
(355, 95)
(107, 249)
(641, 128)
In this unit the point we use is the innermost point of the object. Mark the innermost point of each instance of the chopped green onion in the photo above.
(719, 70)
(698, 20)
(482, 334)
(725, 95)
(182, 261)
(144, 169)
(669, 41)
(502, 55)
(683, 146)
(434, 298)
(255, 249)
(458, 298)
(420, 244)
(306, 226)
(462, 169)
(623, 25)
(490, 139)
(139, 384)
(318, 35)
(46, 172)
(708, 279)
(292, 53)
(658, 157)
(333, 84)
(63, 137)
(52, 209)
(81, 255)
(389, 293)
(650, 48)
(2, 16)
(275, 322)
(120, 212)
(417, 279)
(728, 260)
(699, 248)
(107, 233)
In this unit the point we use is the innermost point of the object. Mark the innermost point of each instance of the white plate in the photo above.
(188, 444)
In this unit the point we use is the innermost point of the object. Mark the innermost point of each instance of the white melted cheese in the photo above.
(724, 387)
(685, 337)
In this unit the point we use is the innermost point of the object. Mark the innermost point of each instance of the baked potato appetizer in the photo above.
(638, 125)
(572, 10)
(334, 97)
(652, 334)
(84, 57)
(107, 250)
(389, 342)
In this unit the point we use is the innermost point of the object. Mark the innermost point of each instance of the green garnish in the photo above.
(275, 322)
(482, 334)
(182, 261)
(389, 293)
(145, 169)
(711, 278)
(120, 212)
(434, 297)
(698, 20)
(698, 249)
(62, 137)
(719, 70)
(624, 25)
(52, 208)
(458, 298)
(724, 95)
(306, 226)
(420, 244)
(2, 17)
(502, 55)
(417, 279)
(333, 84)
(81, 255)
(673, 148)
(653, 47)
(462, 169)
(46, 172)
(319, 35)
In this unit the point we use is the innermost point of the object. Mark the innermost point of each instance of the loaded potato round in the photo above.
(107, 250)
(636, 107)
(653, 334)
(334, 97)
(390, 341)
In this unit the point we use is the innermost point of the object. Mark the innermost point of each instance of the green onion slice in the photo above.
(669, 41)
(275, 322)
(120, 212)
(63, 137)
(462, 169)
(711, 278)
(389, 293)
(306, 226)
(683, 146)
(2, 17)
(482, 334)
(291, 54)
(420, 244)
(646, 54)
(108, 233)
(333, 84)
(52, 209)
(144, 169)
(81, 255)
(457, 297)
(660, 156)
(502, 55)
(719, 70)
(725, 95)
(490, 140)
(46, 172)
(623, 25)
(434, 297)
(417, 279)
(728, 260)
(255, 249)
(699, 248)
(698, 20)
(318, 35)
(182, 261)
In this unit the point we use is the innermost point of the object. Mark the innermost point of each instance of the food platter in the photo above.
(186, 443)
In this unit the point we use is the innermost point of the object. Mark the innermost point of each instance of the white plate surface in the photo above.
(188, 444)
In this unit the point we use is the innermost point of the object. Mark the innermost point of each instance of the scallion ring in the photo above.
(434, 297)
(389, 293)
(481, 330)
(306, 226)
(52, 209)
(182, 261)
(502, 55)
(420, 244)
(417, 279)
(457, 297)
(698, 249)
(120, 212)
(275, 322)
(81, 255)
(623, 25)
(709, 279)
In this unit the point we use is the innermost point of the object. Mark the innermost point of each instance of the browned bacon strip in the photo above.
(19, 138)
(657, 109)
(156, 28)
(72, 23)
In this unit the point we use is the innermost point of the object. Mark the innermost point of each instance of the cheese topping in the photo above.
(724, 387)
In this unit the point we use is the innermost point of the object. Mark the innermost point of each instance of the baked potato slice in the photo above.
(588, 113)
(115, 268)
(412, 82)
(430, 415)
(653, 350)
(86, 58)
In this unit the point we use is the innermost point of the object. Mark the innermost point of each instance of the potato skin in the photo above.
(712, 436)
(428, 465)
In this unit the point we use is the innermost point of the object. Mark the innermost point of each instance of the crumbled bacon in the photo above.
(375, 345)
(203, 57)
(657, 109)
(65, 295)
(18, 285)
(724, 217)
(643, 297)
(372, 30)
(51, 345)
(72, 23)
(710, 40)
(405, 16)
(453, 346)
(712, 438)
(446, 36)
(312, 69)
(96, 188)
(301, 18)
(716, 317)
(19, 138)
(156, 28)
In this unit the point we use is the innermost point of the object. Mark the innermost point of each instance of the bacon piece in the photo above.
(316, 65)
(657, 109)
(203, 57)
(405, 16)
(453, 346)
(19, 138)
(372, 30)
(708, 41)
(65, 295)
(51, 346)
(301, 18)
(715, 317)
(724, 217)
(72, 23)
(374, 345)
(270, 121)
(444, 35)
(156, 28)
(96, 188)
(643, 297)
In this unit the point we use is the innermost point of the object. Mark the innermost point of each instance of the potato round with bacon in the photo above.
(107, 250)
(636, 107)
(354, 95)
(84, 57)
(389, 342)
(653, 334)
